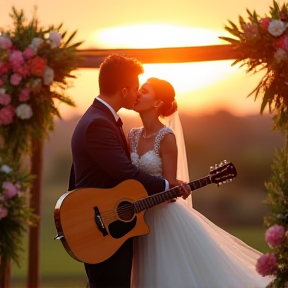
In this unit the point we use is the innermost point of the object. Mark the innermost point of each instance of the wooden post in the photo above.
(35, 204)
(5, 273)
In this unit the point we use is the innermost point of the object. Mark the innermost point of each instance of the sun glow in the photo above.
(154, 36)
(187, 77)
(199, 86)
(184, 76)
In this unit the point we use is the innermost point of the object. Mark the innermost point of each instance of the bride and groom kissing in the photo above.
(183, 248)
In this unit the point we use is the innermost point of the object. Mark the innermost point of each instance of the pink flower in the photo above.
(266, 264)
(3, 212)
(5, 99)
(264, 23)
(6, 115)
(28, 53)
(24, 94)
(5, 43)
(15, 79)
(9, 190)
(1, 82)
(23, 70)
(16, 58)
(55, 39)
(274, 235)
(281, 42)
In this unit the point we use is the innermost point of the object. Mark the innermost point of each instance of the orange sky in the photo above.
(201, 87)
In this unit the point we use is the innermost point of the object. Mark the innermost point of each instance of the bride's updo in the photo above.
(164, 92)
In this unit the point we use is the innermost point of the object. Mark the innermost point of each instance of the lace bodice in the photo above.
(150, 162)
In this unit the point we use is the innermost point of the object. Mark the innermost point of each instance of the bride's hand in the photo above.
(185, 190)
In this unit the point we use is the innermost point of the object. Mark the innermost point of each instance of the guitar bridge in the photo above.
(99, 222)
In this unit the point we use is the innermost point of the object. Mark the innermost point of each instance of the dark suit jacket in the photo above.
(100, 154)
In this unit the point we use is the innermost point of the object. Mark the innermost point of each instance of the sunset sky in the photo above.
(201, 87)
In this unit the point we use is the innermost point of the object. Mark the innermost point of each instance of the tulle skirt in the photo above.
(186, 250)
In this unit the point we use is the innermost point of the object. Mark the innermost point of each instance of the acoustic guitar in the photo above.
(92, 223)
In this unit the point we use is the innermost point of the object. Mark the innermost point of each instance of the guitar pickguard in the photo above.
(118, 229)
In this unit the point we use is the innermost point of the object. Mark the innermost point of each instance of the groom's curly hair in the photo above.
(116, 72)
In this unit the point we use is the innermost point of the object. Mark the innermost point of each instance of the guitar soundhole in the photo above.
(125, 211)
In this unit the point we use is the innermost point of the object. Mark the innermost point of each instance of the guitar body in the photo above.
(93, 223)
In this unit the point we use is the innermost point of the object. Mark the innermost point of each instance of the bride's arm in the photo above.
(168, 153)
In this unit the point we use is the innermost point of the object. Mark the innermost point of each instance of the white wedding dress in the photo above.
(183, 248)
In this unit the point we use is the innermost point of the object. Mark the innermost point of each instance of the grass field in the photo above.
(58, 269)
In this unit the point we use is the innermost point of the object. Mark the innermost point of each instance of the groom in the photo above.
(101, 157)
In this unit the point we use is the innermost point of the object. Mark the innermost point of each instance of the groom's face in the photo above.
(129, 93)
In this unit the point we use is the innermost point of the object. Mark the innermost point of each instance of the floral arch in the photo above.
(270, 32)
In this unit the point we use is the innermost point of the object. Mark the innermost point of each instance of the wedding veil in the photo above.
(173, 121)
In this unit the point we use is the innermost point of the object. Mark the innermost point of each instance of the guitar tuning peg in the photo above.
(219, 184)
(225, 162)
(211, 168)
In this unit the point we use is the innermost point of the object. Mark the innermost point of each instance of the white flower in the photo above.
(276, 27)
(24, 111)
(280, 55)
(35, 43)
(2, 91)
(6, 169)
(55, 39)
(48, 75)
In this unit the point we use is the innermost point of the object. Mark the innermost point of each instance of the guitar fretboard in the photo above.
(158, 198)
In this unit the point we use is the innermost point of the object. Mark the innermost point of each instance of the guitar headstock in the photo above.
(221, 173)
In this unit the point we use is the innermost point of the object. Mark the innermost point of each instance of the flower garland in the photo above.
(35, 68)
(261, 44)
(15, 213)
(35, 64)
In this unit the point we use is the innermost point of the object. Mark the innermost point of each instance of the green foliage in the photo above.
(277, 201)
(15, 213)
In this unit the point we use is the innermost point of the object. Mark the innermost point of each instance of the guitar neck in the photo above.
(159, 198)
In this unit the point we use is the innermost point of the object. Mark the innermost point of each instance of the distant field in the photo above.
(60, 270)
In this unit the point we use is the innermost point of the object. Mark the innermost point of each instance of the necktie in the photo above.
(120, 124)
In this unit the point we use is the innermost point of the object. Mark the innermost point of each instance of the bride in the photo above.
(183, 248)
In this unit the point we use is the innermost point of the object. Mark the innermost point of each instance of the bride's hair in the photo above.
(164, 92)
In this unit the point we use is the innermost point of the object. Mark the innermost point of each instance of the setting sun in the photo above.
(184, 76)
(155, 36)
(195, 83)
